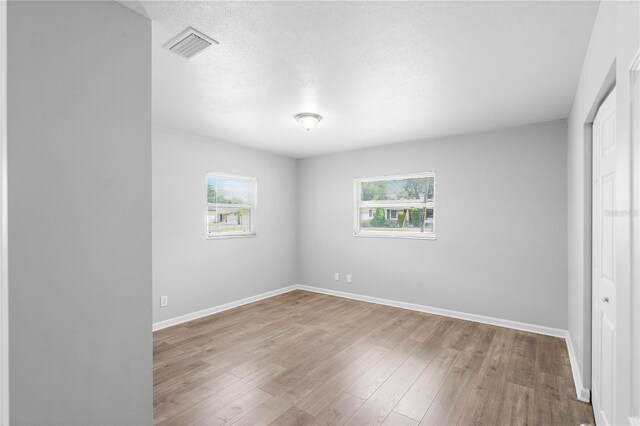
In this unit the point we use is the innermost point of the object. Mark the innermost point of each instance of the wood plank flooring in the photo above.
(307, 358)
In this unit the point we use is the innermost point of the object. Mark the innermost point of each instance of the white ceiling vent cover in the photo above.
(190, 43)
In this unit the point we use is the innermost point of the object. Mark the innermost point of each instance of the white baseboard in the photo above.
(532, 328)
(214, 310)
(582, 393)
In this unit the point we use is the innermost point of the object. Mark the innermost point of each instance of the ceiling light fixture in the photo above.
(308, 120)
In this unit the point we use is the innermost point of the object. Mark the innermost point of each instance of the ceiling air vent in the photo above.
(190, 43)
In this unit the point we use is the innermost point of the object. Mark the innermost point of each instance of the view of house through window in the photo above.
(396, 206)
(231, 202)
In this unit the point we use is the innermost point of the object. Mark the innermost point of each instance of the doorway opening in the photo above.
(604, 276)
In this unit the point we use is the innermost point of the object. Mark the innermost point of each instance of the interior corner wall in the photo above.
(614, 43)
(79, 218)
(501, 247)
(196, 273)
(593, 83)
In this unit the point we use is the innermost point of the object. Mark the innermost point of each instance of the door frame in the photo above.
(628, 321)
(583, 382)
(4, 276)
(634, 347)
(596, 294)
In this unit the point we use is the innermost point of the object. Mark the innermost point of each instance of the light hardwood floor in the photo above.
(307, 358)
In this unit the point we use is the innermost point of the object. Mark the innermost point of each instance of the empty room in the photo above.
(319, 213)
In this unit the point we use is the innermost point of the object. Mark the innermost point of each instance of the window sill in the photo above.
(401, 237)
(224, 237)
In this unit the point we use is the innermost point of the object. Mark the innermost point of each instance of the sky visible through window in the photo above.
(228, 190)
(412, 189)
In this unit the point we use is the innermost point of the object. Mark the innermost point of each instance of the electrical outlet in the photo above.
(348, 278)
(336, 276)
(164, 301)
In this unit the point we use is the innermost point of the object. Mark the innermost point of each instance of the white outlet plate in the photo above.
(348, 278)
(164, 301)
(336, 276)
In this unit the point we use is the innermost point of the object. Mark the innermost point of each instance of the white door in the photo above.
(604, 262)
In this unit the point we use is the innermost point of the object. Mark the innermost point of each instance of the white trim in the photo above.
(230, 176)
(407, 235)
(220, 308)
(532, 328)
(4, 275)
(634, 347)
(582, 393)
(398, 177)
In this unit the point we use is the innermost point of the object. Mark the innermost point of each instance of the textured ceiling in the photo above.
(379, 72)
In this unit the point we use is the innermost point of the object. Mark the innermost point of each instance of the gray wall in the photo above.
(197, 273)
(595, 82)
(501, 247)
(79, 172)
(614, 44)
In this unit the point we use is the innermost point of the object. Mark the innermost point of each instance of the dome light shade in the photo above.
(308, 120)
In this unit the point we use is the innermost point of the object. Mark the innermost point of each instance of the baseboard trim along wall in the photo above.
(532, 328)
(214, 310)
(555, 332)
(583, 394)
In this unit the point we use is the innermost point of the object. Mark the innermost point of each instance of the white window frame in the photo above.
(357, 195)
(252, 206)
(4, 262)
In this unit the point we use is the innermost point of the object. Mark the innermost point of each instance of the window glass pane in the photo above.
(397, 190)
(222, 219)
(396, 206)
(405, 220)
(428, 225)
(230, 205)
(228, 191)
